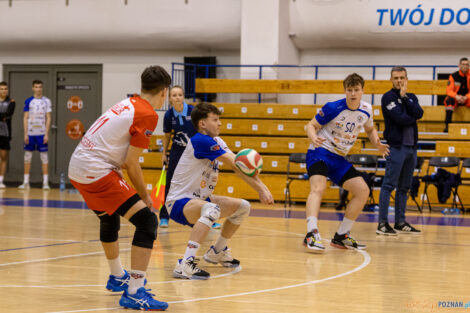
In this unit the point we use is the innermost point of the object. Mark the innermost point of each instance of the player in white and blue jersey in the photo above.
(37, 122)
(190, 200)
(332, 132)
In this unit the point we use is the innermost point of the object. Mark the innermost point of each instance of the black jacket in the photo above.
(398, 113)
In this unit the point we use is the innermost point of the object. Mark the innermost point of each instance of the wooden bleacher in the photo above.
(277, 130)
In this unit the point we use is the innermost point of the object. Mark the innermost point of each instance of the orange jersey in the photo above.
(104, 146)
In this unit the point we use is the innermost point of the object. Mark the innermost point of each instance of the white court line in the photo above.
(366, 262)
(43, 239)
(54, 258)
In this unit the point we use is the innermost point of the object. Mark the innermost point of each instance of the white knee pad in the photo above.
(44, 158)
(210, 212)
(28, 155)
(239, 215)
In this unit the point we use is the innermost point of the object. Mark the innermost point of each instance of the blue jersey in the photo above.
(181, 124)
(197, 171)
(341, 125)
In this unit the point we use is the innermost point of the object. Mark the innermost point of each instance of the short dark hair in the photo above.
(463, 59)
(398, 69)
(37, 82)
(154, 79)
(201, 111)
(353, 80)
(3, 83)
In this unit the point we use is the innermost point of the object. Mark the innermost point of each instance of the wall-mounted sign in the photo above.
(74, 104)
(74, 129)
(74, 87)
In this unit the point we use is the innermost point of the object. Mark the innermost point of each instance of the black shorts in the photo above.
(4, 143)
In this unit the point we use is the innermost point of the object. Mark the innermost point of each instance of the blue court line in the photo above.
(330, 216)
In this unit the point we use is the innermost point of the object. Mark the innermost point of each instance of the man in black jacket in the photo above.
(7, 107)
(401, 110)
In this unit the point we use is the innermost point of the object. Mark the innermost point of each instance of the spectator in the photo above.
(458, 91)
(36, 122)
(7, 107)
(401, 110)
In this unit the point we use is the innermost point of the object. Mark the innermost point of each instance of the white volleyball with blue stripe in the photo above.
(249, 161)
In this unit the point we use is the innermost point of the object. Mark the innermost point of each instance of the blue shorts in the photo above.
(176, 211)
(36, 143)
(337, 164)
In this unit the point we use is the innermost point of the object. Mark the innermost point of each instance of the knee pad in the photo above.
(146, 223)
(44, 158)
(28, 155)
(239, 215)
(210, 212)
(109, 227)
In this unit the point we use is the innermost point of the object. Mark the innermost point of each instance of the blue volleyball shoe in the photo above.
(142, 300)
(118, 284)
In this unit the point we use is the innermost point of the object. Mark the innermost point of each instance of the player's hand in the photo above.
(26, 139)
(384, 149)
(46, 139)
(317, 142)
(404, 88)
(164, 159)
(266, 197)
(148, 201)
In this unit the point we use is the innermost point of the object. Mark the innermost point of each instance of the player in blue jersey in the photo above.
(36, 122)
(190, 200)
(332, 132)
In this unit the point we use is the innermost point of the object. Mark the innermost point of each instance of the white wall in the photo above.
(121, 70)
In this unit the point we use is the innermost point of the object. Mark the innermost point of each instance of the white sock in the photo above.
(45, 179)
(116, 267)
(26, 179)
(220, 244)
(345, 226)
(1, 179)
(136, 281)
(312, 223)
(191, 249)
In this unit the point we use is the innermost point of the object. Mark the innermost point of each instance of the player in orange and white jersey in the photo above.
(115, 141)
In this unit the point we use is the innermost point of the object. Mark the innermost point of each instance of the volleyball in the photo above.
(249, 161)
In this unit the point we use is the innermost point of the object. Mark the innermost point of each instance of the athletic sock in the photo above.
(312, 223)
(1, 179)
(136, 281)
(191, 249)
(116, 267)
(45, 179)
(345, 226)
(26, 179)
(220, 244)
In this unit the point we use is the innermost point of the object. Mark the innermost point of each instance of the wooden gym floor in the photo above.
(51, 261)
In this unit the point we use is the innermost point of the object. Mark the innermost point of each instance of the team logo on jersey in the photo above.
(148, 133)
(188, 118)
(215, 147)
(339, 125)
(203, 184)
(119, 108)
(360, 118)
(321, 113)
(391, 106)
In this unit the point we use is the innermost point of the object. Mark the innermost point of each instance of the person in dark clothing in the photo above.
(458, 91)
(401, 110)
(177, 121)
(7, 108)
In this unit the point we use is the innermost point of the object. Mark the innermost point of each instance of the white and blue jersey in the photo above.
(38, 109)
(197, 171)
(341, 125)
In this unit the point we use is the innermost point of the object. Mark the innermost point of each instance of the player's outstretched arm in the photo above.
(135, 173)
(375, 140)
(311, 128)
(255, 182)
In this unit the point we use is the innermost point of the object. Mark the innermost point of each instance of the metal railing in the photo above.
(184, 74)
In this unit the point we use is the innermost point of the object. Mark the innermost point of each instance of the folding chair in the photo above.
(443, 162)
(366, 162)
(293, 158)
(465, 165)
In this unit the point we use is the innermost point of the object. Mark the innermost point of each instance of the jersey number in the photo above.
(98, 124)
(350, 127)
